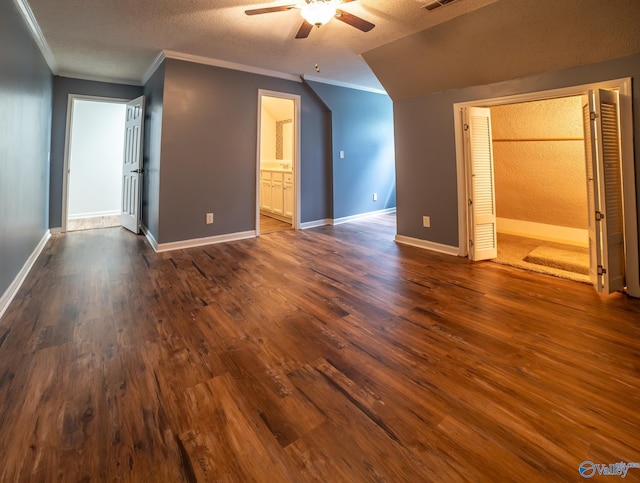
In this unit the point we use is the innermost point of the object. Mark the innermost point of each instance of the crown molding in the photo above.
(170, 54)
(32, 24)
(99, 78)
(153, 67)
(343, 84)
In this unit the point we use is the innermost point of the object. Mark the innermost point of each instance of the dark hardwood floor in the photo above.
(331, 354)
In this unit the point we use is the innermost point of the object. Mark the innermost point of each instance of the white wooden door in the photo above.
(604, 190)
(480, 183)
(132, 165)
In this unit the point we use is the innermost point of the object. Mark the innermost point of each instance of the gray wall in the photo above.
(507, 39)
(425, 143)
(25, 121)
(153, 93)
(208, 151)
(362, 127)
(62, 87)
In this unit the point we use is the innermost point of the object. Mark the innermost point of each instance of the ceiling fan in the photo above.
(317, 13)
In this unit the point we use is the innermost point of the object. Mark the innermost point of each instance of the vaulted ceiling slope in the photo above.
(119, 40)
(507, 40)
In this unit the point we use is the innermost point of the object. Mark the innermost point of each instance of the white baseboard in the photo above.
(542, 231)
(150, 238)
(316, 223)
(95, 214)
(429, 245)
(198, 242)
(346, 219)
(362, 216)
(12, 290)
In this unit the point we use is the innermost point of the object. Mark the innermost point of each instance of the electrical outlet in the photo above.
(209, 220)
(375, 196)
(426, 221)
(341, 154)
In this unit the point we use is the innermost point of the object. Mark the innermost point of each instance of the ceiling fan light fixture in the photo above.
(318, 13)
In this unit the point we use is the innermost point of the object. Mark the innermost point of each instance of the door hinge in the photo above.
(593, 115)
(466, 127)
(470, 243)
(599, 216)
(470, 201)
(601, 270)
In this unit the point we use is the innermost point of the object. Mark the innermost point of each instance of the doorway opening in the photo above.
(94, 160)
(540, 187)
(544, 190)
(277, 182)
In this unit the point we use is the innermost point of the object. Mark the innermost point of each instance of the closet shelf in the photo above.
(536, 139)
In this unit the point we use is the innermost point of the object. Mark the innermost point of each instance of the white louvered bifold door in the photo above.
(132, 165)
(590, 147)
(604, 188)
(480, 184)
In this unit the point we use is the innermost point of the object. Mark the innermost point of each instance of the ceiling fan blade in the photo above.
(357, 22)
(258, 11)
(304, 31)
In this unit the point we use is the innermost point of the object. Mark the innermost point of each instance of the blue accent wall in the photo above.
(25, 128)
(362, 128)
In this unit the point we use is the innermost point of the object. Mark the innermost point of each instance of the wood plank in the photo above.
(229, 440)
(355, 442)
(330, 354)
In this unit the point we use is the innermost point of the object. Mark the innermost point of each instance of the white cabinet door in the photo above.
(265, 190)
(288, 199)
(266, 199)
(277, 194)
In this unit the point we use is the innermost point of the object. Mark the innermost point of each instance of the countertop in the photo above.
(277, 170)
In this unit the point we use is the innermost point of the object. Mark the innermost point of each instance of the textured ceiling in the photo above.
(119, 40)
(507, 40)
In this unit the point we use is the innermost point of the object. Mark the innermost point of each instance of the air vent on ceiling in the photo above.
(436, 4)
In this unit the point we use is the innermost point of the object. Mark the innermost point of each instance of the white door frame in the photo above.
(67, 147)
(296, 154)
(628, 163)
